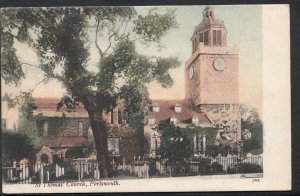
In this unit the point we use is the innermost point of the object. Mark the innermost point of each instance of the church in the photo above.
(211, 89)
(211, 102)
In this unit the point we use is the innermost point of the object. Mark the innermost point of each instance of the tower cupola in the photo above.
(211, 31)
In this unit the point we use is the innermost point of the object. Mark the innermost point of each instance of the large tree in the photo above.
(61, 37)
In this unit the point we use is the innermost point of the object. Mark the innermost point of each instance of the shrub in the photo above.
(217, 168)
(212, 150)
(205, 166)
(152, 167)
(248, 168)
(16, 146)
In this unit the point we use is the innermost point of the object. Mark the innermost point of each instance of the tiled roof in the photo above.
(185, 116)
(207, 22)
(68, 140)
(50, 104)
(47, 107)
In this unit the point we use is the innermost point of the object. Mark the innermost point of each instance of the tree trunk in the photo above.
(100, 136)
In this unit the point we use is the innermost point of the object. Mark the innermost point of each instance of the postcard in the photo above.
(145, 98)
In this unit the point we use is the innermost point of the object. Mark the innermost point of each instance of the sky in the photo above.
(244, 27)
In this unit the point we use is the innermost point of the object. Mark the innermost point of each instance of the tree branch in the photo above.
(109, 45)
(51, 75)
(96, 39)
(38, 84)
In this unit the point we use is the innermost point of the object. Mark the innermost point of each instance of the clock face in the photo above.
(219, 64)
(191, 71)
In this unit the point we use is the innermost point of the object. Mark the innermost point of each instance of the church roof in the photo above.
(47, 107)
(206, 22)
(68, 140)
(188, 111)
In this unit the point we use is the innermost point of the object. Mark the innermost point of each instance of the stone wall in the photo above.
(58, 125)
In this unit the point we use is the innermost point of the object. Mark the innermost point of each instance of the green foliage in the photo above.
(174, 144)
(212, 150)
(217, 168)
(28, 127)
(62, 36)
(153, 25)
(248, 168)
(252, 122)
(25, 101)
(131, 140)
(209, 132)
(204, 166)
(16, 146)
(11, 70)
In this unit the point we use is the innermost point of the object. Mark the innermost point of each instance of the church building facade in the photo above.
(211, 86)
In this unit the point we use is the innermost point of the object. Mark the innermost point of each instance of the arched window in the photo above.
(80, 128)
(44, 158)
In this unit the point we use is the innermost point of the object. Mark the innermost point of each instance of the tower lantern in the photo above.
(211, 31)
(208, 12)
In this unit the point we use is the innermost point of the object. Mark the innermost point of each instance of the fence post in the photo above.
(82, 169)
(47, 174)
(146, 169)
(42, 173)
(123, 164)
(78, 170)
(96, 171)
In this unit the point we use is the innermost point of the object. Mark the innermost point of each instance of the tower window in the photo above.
(217, 37)
(80, 128)
(201, 37)
(206, 38)
(214, 37)
(194, 45)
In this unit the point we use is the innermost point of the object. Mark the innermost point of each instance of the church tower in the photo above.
(212, 73)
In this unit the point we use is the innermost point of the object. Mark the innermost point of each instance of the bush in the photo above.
(205, 166)
(152, 167)
(248, 168)
(16, 146)
(231, 170)
(212, 150)
(217, 168)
